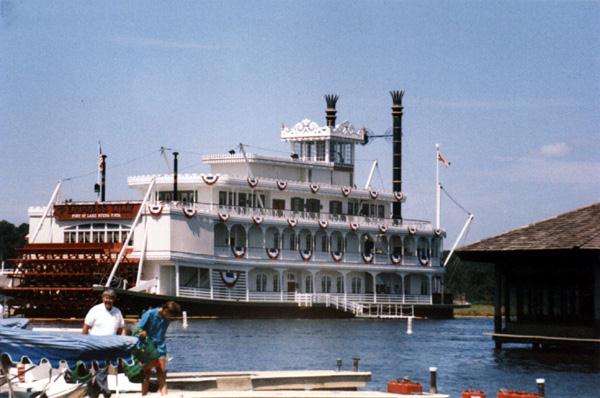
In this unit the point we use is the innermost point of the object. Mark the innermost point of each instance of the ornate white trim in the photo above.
(307, 129)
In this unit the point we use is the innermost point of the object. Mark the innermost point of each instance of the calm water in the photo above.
(464, 357)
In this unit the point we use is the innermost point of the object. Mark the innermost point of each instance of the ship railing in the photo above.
(319, 256)
(268, 213)
(350, 302)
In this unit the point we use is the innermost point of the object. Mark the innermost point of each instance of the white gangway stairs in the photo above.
(387, 311)
(359, 309)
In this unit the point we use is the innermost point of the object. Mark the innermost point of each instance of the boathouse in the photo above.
(547, 289)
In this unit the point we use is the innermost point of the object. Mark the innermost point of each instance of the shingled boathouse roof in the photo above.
(577, 229)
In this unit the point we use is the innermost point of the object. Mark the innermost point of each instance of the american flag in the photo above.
(442, 159)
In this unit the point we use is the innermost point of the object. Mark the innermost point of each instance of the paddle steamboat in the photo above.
(258, 236)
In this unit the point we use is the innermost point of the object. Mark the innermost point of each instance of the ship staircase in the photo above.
(358, 309)
(55, 280)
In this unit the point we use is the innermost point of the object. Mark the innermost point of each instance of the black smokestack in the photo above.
(103, 180)
(330, 112)
(397, 142)
(175, 175)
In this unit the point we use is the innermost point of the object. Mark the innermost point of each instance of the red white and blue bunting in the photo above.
(437, 232)
(155, 210)
(346, 191)
(412, 230)
(292, 222)
(273, 253)
(337, 256)
(424, 261)
(314, 188)
(257, 220)
(354, 226)
(398, 196)
(368, 258)
(229, 278)
(323, 224)
(305, 254)
(189, 212)
(373, 194)
(223, 216)
(383, 228)
(210, 179)
(252, 181)
(238, 251)
(396, 258)
(281, 185)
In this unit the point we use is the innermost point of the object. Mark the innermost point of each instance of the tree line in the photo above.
(12, 237)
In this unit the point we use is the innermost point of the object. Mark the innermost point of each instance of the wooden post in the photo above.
(498, 304)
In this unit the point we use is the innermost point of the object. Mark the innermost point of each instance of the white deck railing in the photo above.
(304, 299)
(319, 256)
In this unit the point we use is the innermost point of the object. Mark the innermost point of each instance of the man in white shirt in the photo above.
(104, 319)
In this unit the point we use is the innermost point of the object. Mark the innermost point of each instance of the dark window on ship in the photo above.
(313, 205)
(276, 283)
(183, 196)
(324, 243)
(364, 210)
(308, 288)
(352, 208)
(381, 211)
(335, 207)
(297, 204)
(340, 152)
(279, 206)
(356, 285)
(321, 150)
(242, 202)
(340, 284)
(309, 150)
(222, 198)
(326, 284)
(261, 283)
(308, 242)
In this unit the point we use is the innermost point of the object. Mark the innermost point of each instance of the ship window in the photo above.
(313, 205)
(276, 283)
(381, 211)
(297, 204)
(242, 202)
(324, 243)
(352, 208)
(364, 210)
(222, 198)
(340, 284)
(308, 288)
(309, 150)
(70, 237)
(98, 237)
(321, 150)
(356, 285)
(424, 283)
(261, 282)
(84, 237)
(340, 152)
(335, 207)
(297, 148)
(326, 284)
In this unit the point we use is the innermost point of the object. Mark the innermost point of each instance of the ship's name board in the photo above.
(96, 211)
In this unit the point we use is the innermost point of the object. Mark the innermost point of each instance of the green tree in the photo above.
(11, 238)
(473, 280)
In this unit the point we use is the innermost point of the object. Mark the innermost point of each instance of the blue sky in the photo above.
(511, 91)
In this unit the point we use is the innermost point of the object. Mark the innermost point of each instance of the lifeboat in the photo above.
(404, 386)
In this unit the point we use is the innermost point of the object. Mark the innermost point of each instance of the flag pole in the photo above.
(98, 177)
(437, 187)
